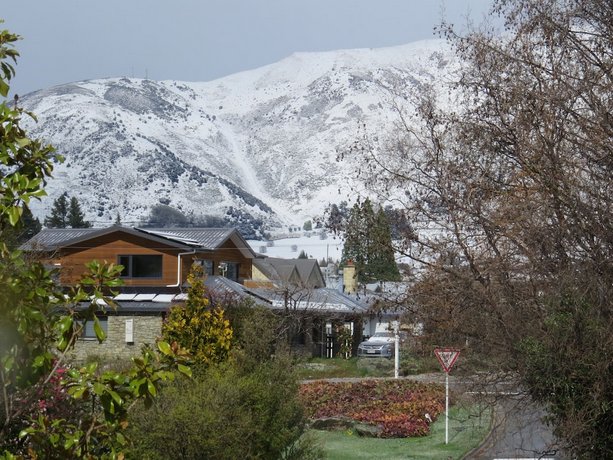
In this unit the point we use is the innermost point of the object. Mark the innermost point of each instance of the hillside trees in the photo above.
(66, 213)
(26, 228)
(368, 244)
(47, 408)
(514, 188)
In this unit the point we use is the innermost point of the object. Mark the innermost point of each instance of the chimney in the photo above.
(350, 282)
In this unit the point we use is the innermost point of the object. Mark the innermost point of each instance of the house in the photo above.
(152, 257)
(303, 272)
(296, 289)
(156, 264)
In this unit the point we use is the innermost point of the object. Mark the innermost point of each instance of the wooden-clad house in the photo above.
(151, 257)
(156, 264)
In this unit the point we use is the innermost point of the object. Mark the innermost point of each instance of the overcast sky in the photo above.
(200, 40)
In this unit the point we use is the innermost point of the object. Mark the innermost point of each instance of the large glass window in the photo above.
(141, 266)
(229, 270)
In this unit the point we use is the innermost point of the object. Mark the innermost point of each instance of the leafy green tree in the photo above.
(244, 407)
(198, 327)
(75, 217)
(59, 213)
(226, 413)
(40, 322)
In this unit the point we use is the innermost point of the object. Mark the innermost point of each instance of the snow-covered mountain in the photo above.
(257, 145)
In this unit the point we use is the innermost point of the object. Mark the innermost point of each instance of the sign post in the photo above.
(447, 357)
(396, 325)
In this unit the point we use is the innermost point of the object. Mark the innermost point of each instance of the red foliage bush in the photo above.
(397, 406)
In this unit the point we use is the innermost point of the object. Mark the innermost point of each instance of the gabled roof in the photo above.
(222, 285)
(51, 239)
(275, 269)
(315, 300)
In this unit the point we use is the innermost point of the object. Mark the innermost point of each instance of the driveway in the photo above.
(518, 432)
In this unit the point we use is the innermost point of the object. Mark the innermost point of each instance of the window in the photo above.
(229, 270)
(141, 266)
(88, 332)
(207, 266)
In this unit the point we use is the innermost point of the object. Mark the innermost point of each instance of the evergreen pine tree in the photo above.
(75, 216)
(30, 225)
(381, 261)
(354, 248)
(367, 215)
(117, 219)
(368, 243)
(26, 228)
(59, 213)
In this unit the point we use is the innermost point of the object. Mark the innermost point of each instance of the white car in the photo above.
(381, 344)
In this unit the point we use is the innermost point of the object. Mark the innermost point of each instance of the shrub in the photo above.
(226, 413)
(196, 326)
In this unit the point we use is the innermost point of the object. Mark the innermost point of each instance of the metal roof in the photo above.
(50, 239)
(207, 238)
(220, 284)
(322, 300)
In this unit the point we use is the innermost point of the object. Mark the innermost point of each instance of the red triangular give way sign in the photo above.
(447, 357)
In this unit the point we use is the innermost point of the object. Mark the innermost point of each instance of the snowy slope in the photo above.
(259, 146)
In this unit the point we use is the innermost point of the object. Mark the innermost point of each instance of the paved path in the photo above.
(518, 432)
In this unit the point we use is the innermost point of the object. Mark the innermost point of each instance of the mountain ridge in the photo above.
(261, 144)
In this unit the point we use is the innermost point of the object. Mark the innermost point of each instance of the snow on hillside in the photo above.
(258, 148)
(290, 248)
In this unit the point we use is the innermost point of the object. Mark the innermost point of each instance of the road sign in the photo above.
(447, 357)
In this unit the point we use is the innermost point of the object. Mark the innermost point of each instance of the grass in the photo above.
(467, 428)
(324, 368)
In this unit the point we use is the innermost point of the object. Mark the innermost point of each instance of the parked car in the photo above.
(381, 344)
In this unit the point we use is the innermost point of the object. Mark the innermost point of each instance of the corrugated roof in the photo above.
(323, 299)
(51, 238)
(221, 284)
(275, 268)
(200, 238)
(207, 238)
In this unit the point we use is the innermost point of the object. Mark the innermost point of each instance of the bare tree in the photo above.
(513, 192)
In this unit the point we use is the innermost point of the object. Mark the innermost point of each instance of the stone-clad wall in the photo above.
(146, 329)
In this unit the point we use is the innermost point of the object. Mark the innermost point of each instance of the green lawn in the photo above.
(467, 428)
(322, 368)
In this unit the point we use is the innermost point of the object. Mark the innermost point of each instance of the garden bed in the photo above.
(398, 408)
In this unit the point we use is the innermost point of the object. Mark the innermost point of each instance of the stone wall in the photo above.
(146, 330)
